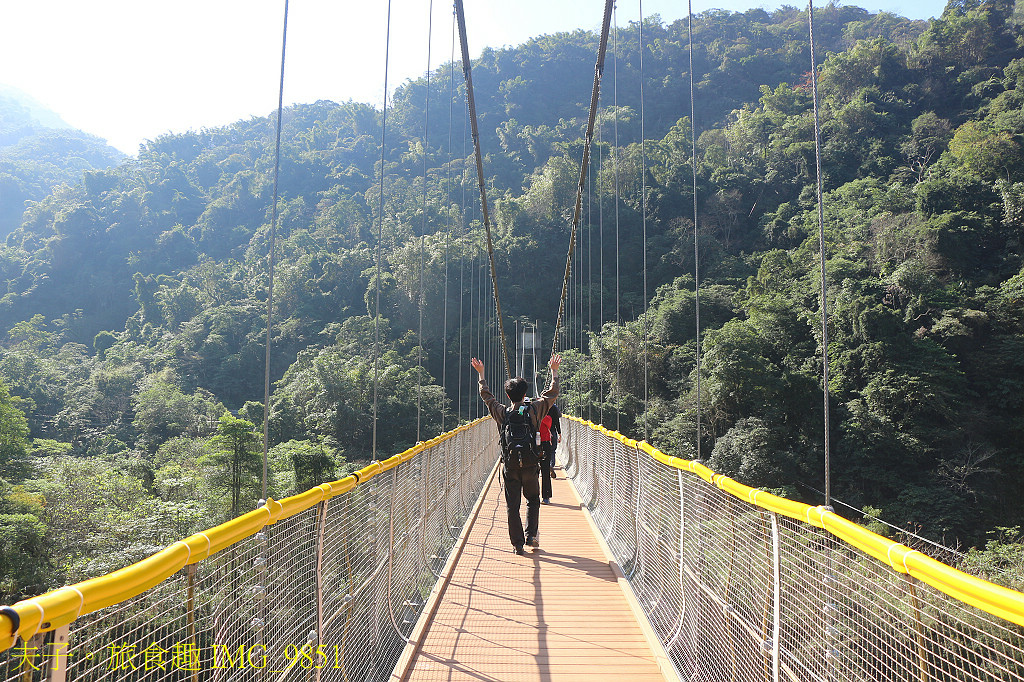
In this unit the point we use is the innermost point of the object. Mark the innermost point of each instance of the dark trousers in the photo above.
(522, 482)
(546, 466)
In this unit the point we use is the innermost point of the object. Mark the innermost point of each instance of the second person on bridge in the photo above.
(518, 424)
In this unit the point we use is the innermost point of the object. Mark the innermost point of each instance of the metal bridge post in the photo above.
(319, 579)
(681, 554)
(451, 445)
(59, 670)
(191, 616)
(777, 595)
(391, 555)
(922, 654)
(424, 469)
(636, 520)
(35, 643)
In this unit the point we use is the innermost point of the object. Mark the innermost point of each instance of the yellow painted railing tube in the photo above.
(989, 597)
(341, 487)
(296, 504)
(874, 545)
(62, 606)
(994, 599)
(230, 532)
(417, 449)
(368, 471)
(390, 463)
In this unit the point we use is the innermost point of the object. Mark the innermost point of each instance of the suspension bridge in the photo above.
(649, 567)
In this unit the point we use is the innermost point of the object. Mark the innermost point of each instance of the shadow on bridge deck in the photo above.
(557, 613)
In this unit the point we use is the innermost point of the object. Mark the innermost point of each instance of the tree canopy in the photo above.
(133, 296)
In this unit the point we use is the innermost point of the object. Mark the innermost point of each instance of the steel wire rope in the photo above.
(462, 249)
(600, 249)
(270, 255)
(696, 246)
(423, 229)
(590, 283)
(615, 166)
(821, 249)
(468, 72)
(595, 95)
(643, 316)
(448, 237)
(478, 306)
(643, 210)
(380, 236)
(829, 588)
(472, 410)
(474, 312)
(262, 608)
(579, 321)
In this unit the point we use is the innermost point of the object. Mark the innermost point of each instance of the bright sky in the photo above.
(130, 70)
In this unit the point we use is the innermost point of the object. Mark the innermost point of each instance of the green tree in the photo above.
(14, 432)
(25, 563)
(233, 463)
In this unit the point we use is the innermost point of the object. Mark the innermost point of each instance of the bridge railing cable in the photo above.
(740, 584)
(326, 584)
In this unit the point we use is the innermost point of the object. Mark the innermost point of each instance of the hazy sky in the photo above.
(129, 70)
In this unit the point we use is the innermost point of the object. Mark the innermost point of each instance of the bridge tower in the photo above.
(528, 342)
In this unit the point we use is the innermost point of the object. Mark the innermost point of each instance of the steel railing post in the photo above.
(322, 523)
(776, 595)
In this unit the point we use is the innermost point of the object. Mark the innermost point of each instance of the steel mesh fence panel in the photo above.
(330, 593)
(737, 592)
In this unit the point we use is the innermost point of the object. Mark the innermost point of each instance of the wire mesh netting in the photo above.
(736, 592)
(331, 593)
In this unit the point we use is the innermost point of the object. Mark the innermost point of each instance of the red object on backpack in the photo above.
(545, 428)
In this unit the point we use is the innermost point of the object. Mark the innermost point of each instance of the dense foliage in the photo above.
(134, 297)
(38, 152)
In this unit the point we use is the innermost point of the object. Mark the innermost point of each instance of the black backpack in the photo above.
(518, 438)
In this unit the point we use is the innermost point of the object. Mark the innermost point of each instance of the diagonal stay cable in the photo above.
(467, 70)
(578, 209)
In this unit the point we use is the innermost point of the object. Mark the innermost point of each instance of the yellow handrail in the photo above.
(62, 606)
(989, 597)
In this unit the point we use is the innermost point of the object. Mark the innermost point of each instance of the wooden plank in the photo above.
(556, 613)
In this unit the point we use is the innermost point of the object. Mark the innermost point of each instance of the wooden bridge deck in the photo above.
(557, 613)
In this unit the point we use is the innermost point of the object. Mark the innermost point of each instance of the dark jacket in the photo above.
(538, 407)
(555, 413)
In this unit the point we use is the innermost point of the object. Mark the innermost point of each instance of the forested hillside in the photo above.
(133, 305)
(38, 152)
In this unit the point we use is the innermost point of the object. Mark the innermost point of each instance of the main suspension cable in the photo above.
(270, 258)
(467, 70)
(595, 95)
